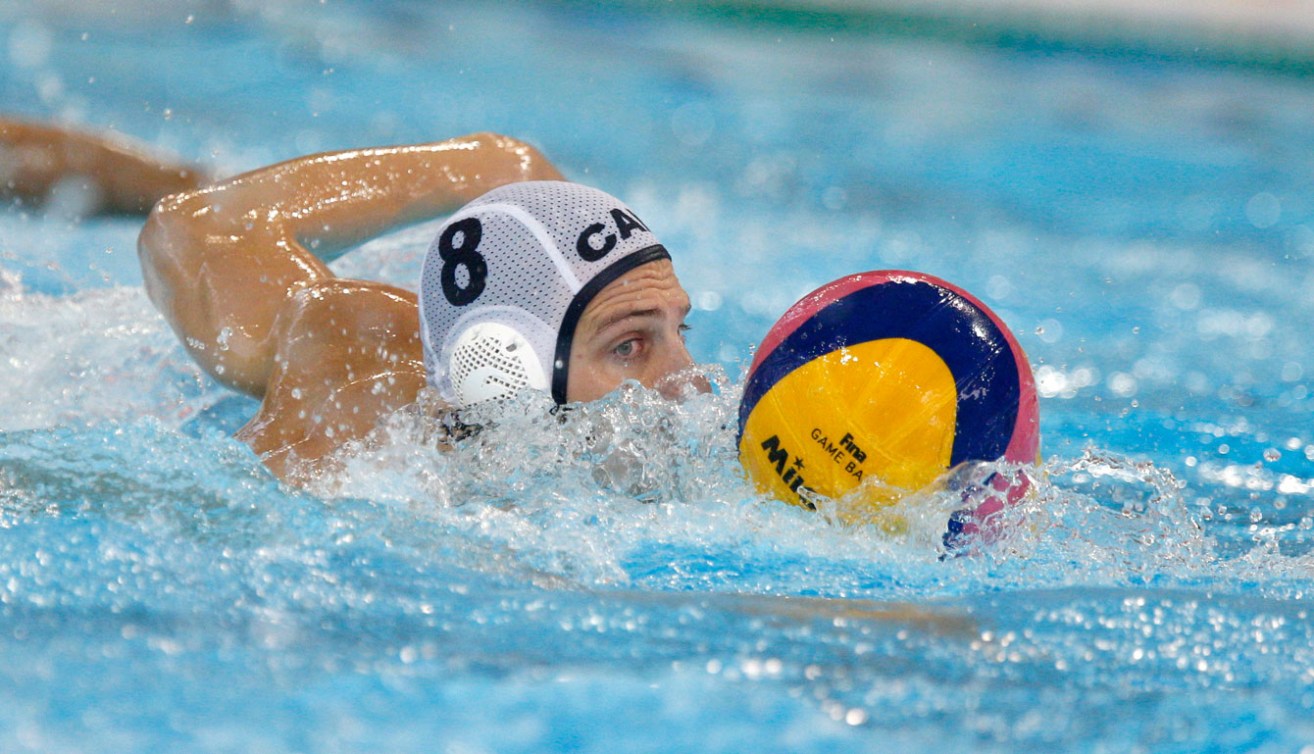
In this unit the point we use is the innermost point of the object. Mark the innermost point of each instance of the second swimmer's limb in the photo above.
(222, 262)
(106, 174)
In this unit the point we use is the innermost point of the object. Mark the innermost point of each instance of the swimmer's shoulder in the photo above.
(349, 354)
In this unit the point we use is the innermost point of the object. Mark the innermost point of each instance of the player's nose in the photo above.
(678, 378)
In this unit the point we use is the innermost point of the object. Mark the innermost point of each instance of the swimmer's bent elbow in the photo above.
(523, 161)
(164, 240)
(151, 246)
(204, 290)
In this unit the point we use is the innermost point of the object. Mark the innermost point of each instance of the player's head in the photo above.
(551, 286)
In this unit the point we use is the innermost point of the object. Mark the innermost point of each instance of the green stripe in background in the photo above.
(1090, 31)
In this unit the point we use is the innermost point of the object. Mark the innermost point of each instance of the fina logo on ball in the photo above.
(836, 452)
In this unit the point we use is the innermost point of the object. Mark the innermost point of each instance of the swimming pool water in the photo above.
(611, 583)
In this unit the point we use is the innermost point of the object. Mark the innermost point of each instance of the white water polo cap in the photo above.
(506, 280)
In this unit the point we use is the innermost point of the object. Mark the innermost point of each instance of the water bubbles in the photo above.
(708, 301)
(1230, 323)
(1185, 296)
(11, 284)
(999, 287)
(1050, 331)
(1263, 210)
(1055, 382)
(1122, 384)
(30, 44)
(1272, 455)
(1050, 382)
(902, 246)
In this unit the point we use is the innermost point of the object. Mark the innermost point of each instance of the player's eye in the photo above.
(627, 349)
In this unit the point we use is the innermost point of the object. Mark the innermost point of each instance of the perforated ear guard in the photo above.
(492, 361)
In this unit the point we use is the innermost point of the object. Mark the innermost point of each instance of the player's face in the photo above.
(633, 329)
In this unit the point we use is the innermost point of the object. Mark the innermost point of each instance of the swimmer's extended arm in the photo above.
(223, 262)
(110, 175)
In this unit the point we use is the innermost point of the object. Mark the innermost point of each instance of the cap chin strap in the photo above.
(566, 336)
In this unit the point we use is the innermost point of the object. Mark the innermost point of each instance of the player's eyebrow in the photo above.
(623, 315)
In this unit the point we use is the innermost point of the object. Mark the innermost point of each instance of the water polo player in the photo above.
(534, 283)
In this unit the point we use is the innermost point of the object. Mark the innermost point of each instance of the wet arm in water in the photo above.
(93, 174)
(239, 270)
(224, 262)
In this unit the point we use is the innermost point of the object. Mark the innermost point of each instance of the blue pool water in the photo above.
(1143, 223)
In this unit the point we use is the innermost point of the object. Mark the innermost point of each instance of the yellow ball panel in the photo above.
(884, 409)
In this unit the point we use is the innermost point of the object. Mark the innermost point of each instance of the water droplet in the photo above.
(1263, 210)
(1272, 455)
(30, 44)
